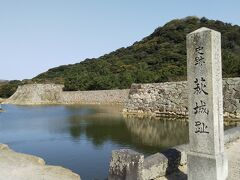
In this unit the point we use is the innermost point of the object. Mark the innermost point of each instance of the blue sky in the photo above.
(36, 35)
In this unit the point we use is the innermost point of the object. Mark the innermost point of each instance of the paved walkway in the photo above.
(233, 153)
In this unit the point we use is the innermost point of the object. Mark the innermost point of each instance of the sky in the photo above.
(36, 35)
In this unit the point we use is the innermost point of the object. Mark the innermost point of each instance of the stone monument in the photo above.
(206, 158)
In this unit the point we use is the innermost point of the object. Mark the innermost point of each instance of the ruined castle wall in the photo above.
(171, 98)
(95, 97)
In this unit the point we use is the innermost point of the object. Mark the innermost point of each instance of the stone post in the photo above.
(206, 159)
(126, 164)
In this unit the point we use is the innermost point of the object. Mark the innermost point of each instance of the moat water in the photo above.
(81, 138)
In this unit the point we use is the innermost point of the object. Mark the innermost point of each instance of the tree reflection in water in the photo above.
(147, 135)
(163, 132)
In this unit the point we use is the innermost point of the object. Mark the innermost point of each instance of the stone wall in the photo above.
(171, 98)
(155, 99)
(95, 97)
(33, 94)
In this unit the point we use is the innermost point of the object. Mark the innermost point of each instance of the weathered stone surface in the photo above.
(233, 152)
(171, 99)
(206, 158)
(231, 92)
(18, 166)
(159, 165)
(231, 134)
(32, 94)
(209, 167)
(157, 99)
(118, 96)
(36, 94)
(154, 166)
(164, 163)
(126, 164)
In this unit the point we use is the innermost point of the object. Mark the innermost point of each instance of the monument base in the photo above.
(207, 167)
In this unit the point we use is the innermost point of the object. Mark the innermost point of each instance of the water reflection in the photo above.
(146, 135)
(75, 131)
(81, 138)
(99, 129)
(164, 132)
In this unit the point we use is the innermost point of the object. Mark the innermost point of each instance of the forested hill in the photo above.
(158, 57)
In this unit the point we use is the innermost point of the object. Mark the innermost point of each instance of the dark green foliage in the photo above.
(7, 89)
(157, 58)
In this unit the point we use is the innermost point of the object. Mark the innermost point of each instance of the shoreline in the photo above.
(233, 135)
(168, 99)
(24, 166)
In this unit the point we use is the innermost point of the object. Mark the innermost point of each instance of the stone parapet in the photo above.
(160, 164)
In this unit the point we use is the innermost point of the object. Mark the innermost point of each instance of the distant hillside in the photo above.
(158, 57)
(3, 81)
(7, 88)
